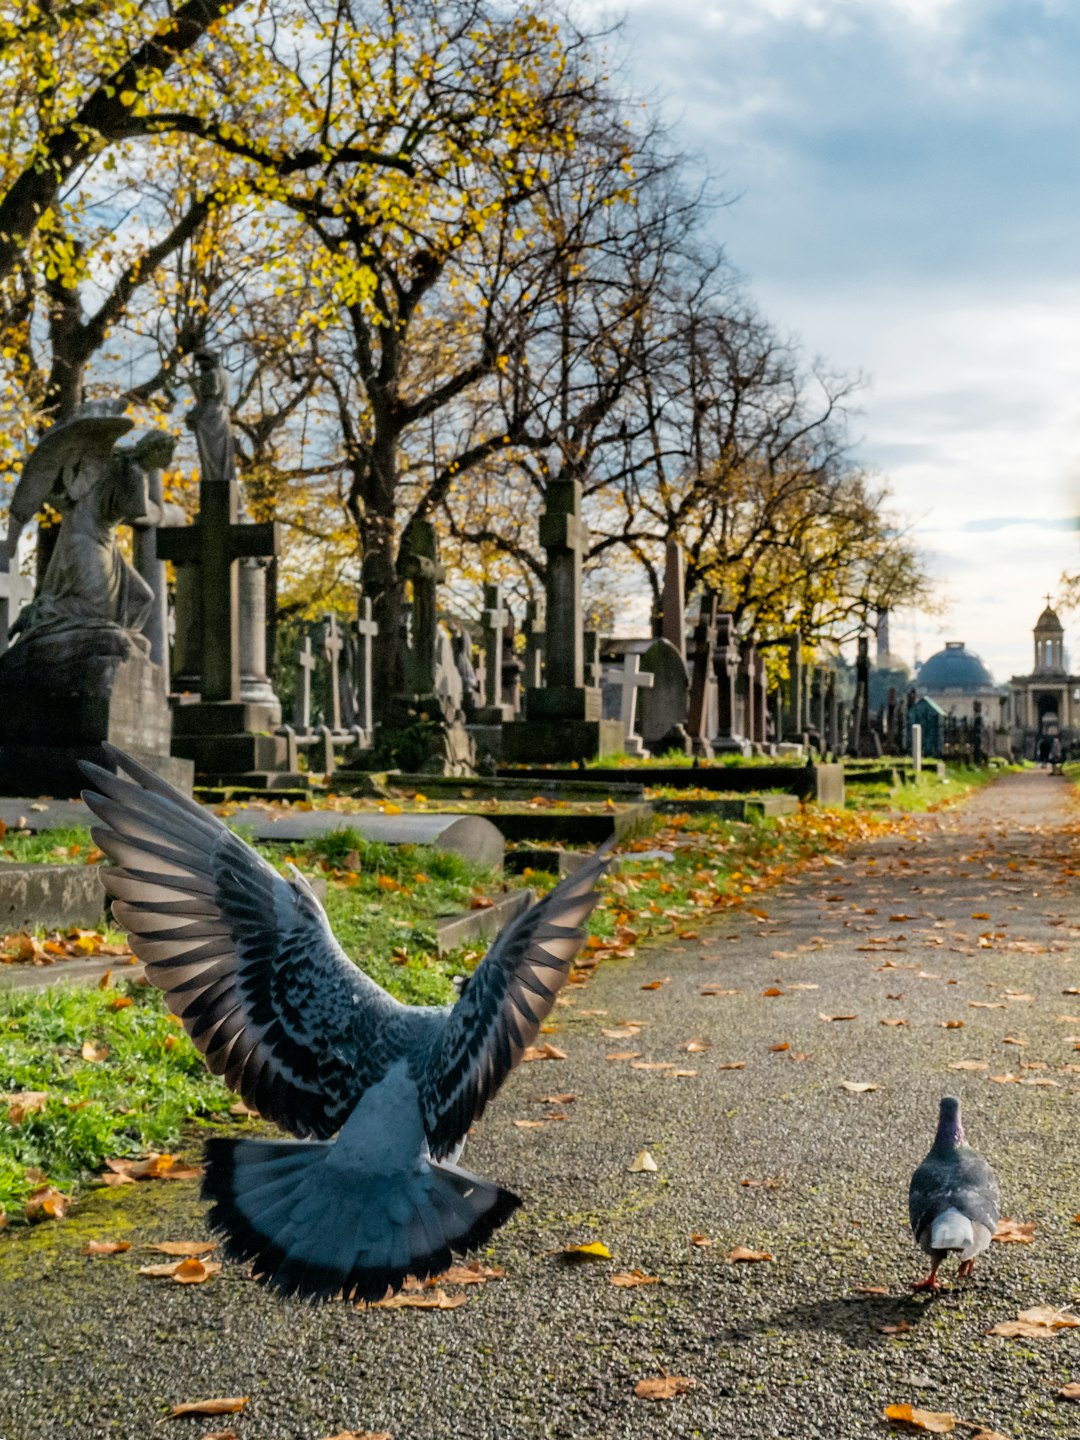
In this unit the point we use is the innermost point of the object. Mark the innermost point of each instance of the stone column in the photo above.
(672, 600)
(255, 683)
(793, 716)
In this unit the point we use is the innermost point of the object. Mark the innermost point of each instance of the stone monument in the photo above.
(664, 707)
(563, 716)
(79, 670)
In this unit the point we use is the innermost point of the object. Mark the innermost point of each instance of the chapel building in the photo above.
(1046, 702)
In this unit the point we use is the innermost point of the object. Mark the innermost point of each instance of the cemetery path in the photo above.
(970, 916)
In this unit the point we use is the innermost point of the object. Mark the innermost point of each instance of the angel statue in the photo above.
(91, 604)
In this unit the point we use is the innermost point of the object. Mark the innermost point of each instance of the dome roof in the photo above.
(1048, 620)
(954, 668)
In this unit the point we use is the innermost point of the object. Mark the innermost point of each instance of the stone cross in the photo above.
(16, 590)
(672, 599)
(215, 543)
(534, 646)
(565, 538)
(365, 629)
(727, 668)
(305, 661)
(701, 679)
(630, 678)
(332, 646)
(493, 619)
(420, 565)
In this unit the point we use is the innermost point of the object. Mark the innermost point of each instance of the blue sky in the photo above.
(907, 175)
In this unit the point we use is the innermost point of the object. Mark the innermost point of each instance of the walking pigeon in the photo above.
(248, 962)
(953, 1201)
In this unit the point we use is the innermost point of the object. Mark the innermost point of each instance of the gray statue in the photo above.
(90, 604)
(209, 419)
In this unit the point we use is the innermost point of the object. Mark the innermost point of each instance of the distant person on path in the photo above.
(1055, 755)
(1043, 753)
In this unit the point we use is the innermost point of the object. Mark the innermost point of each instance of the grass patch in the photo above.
(928, 792)
(66, 845)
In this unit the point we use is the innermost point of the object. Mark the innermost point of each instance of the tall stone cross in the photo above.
(305, 662)
(701, 679)
(630, 678)
(564, 536)
(332, 646)
(727, 668)
(494, 618)
(534, 646)
(420, 565)
(215, 543)
(672, 598)
(365, 629)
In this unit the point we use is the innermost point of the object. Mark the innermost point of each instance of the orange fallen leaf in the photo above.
(968, 1065)
(1014, 1232)
(900, 1328)
(566, 1098)
(183, 1272)
(528, 1124)
(664, 1387)
(184, 1247)
(623, 1055)
(950, 1024)
(652, 1065)
(731, 1065)
(696, 1047)
(227, 1406)
(94, 1051)
(547, 1051)
(772, 991)
(767, 1182)
(473, 1274)
(701, 1242)
(778, 1049)
(46, 1201)
(629, 1279)
(740, 1255)
(439, 1300)
(655, 984)
(107, 1247)
(823, 1016)
(22, 1103)
(931, 1422)
(1038, 1323)
(1071, 1391)
(152, 1168)
(871, 1290)
(892, 1021)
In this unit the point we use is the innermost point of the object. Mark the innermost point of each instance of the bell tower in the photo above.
(1049, 643)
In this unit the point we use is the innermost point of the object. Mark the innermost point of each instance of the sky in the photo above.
(905, 178)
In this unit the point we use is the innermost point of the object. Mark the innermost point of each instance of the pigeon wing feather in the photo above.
(246, 958)
(503, 1006)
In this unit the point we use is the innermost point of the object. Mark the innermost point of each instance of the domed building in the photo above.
(1046, 702)
(958, 681)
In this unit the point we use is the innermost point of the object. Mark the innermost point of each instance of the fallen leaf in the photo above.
(438, 1300)
(655, 984)
(623, 1055)
(731, 1065)
(349, 1435)
(900, 1328)
(664, 1387)
(184, 1247)
(547, 1051)
(474, 1274)
(778, 1049)
(47, 1201)
(1071, 1391)
(567, 1098)
(643, 1162)
(1014, 1232)
(740, 1255)
(931, 1422)
(94, 1051)
(628, 1279)
(1038, 1323)
(702, 1242)
(772, 991)
(107, 1247)
(857, 1087)
(767, 1182)
(696, 1047)
(950, 1024)
(152, 1168)
(710, 991)
(529, 1124)
(652, 1065)
(893, 1022)
(231, 1406)
(986, 1004)
(245, 1110)
(183, 1272)
(22, 1103)
(968, 1065)
(823, 1016)
(871, 1290)
(594, 1250)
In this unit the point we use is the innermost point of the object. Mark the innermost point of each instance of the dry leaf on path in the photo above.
(355, 1435)
(857, 1087)
(700, 1242)
(823, 1016)
(1038, 1323)
(184, 1247)
(871, 1290)
(893, 1022)
(968, 1065)
(221, 1435)
(594, 1250)
(740, 1255)
(988, 1435)
(546, 1051)
(439, 1300)
(107, 1247)
(1071, 1391)
(623, 1055)
(655, 984)
(228, 1406)
(643, 1162)
(929, 1422)
(951, 1024)
(664, 1387)
(47, 1201)
(1014, 1232)
(696, 1047)
(184, 1272)
(629, 1279)
(566, 1098)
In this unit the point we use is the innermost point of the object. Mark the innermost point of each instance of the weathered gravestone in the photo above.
(629, 678)
(664, 708)
(727, 738)
(563, 716)
(703, 679)
(672, 598)
(79, 671)
(534, 647)
(864, 741)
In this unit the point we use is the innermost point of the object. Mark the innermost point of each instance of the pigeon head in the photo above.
(950, 1130)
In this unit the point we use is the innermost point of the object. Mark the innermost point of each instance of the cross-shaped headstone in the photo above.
(332, 646)
(215, 543)
(16, 590)
(305, 661)
(702, 680)
(494, 618)
(630, 678)
(534, 645)
(564, 536)
(365, 630)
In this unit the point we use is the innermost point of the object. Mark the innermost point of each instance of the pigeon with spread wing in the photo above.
(380, 1094)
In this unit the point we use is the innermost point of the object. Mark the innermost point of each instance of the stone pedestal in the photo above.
(230, 743)
(47, 728)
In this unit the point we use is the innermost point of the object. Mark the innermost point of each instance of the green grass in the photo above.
(927, 792)
(67, 845)
(142, 1096)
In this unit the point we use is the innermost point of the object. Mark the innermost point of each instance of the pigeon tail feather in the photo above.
(315, 1229)
(951, 1230)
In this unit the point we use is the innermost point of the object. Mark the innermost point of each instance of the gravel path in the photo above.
(783, 1348)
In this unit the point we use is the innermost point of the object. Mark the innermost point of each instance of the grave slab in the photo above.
(470, 835)
(58, 897)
